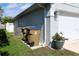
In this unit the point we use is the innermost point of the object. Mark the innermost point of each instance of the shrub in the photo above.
(3, 38)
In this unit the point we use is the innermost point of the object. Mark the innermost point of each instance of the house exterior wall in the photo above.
(17, 30)
(63, 10)
(67, 7)
(53, 21)
(68, 10)
(45, 20)
(34, 19)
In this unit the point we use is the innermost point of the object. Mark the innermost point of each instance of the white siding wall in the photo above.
(53, 21)
(67, 7)
(69, 26)
(10, 27)
(63, 7)
(51, 25)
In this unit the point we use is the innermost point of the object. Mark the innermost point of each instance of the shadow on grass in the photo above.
(4, 53)
(3, 38)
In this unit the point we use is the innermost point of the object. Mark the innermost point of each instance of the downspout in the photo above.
(44, 41)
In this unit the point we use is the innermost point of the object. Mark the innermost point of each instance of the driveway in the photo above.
(72, 45)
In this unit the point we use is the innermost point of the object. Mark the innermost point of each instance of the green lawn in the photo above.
(18, 48)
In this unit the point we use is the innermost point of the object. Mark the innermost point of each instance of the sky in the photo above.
(13, 9)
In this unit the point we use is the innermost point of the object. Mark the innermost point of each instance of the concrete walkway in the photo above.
(72, 45)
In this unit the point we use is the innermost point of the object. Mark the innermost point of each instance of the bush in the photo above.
(4, 53)
(3, 38)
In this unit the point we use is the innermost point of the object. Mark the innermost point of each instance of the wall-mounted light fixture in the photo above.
(55, 14)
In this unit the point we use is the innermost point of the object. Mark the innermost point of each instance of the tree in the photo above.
(1, 12)
(6, 19)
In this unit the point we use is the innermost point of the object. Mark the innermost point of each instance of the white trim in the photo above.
(45, 26)
(34, 47)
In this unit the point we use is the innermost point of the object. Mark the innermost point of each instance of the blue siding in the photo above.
(34, 19)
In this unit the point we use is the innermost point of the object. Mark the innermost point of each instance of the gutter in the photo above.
(71, 5)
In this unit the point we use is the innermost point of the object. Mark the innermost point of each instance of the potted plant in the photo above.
(58, 41)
